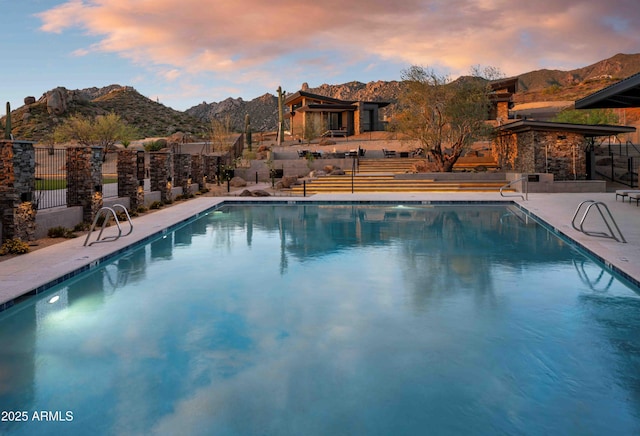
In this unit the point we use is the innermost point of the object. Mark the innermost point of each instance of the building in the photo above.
(562, 149)
(312, 115)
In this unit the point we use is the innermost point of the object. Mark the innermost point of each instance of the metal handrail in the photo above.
(524, 197)
(608, 218)
(104, 212)
(584, 277)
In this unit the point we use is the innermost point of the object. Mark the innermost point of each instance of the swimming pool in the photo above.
(331, 319)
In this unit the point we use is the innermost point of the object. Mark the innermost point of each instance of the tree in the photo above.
(220, 132)
(587, 116)
(445, 116)
(312, 129)
(102, 131)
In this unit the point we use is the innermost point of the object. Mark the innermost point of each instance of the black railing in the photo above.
(110, 176)
(51, 177)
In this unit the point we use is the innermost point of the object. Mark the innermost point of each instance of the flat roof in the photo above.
(623, 94)
(586, 129)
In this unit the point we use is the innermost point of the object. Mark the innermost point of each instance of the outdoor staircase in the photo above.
(387, 165)
(378, 175)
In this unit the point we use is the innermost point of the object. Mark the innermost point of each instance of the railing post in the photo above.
(304, 188)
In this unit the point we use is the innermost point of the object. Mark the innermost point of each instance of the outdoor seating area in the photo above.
(306, 153)
(333, 133)
(631, 194)
(355, 152)
(388, 153)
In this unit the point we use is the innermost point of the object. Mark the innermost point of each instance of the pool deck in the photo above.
(31, 273)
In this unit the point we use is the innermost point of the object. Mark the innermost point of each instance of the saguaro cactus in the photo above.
(247, 130)
(7, 123)
(281, 95)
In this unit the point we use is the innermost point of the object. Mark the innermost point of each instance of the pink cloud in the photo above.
(239, 35)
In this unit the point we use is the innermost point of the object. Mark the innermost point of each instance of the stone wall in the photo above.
(182, 171)
(129, 183)
(197, 170)
(559, 153)
(17, 188)
(84, 180)
(161, 174)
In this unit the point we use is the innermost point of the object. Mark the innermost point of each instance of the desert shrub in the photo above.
(60, 232)
(81, 227)
(154, 146)
(14, 246)
(122, 216)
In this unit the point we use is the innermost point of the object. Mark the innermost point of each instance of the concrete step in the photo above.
(362, 184)
(298, 190)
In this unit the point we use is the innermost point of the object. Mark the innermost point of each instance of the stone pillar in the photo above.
(161, 174)
(129, 183)
(84, 180)
(197, 171)
(182, 171)
(210, 167)
(17, 190)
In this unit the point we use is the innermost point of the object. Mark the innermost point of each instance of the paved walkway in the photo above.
(22, 275)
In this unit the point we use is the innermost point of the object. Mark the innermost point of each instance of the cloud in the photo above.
(232, 39)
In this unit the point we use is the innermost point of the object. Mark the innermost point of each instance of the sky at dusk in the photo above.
(184, 52)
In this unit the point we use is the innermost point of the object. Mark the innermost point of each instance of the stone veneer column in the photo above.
(197, 171)
(84, 180)
(210, 167)
(17, 188)
(182, 171)
(161, 173)
(129, 181)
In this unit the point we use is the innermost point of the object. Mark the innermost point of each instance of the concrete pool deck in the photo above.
(30, 273)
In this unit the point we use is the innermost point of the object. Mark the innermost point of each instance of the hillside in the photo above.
(38, 118)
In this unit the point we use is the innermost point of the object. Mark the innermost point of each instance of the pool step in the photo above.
(387, 183)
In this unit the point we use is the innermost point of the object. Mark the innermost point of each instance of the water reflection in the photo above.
(213, 325)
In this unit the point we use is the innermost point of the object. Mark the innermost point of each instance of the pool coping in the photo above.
(18, 283)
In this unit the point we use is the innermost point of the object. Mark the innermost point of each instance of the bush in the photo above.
(81, 227)
(14, 246)
(60, 232)
(156, 205)
(141, 209)
(155, 145)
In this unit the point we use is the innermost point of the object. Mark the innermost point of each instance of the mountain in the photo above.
(37, 118)
(556, 85)
(263, 112)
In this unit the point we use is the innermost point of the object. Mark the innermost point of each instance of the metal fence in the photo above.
(618, 162)
(51, 177)
(110, 175)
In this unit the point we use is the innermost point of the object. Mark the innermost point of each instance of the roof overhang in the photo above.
(584, 129)
(623, 94)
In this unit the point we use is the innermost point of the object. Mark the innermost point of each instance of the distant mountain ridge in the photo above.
(38, 118)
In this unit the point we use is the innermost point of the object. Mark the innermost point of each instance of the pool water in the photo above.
(331, 319)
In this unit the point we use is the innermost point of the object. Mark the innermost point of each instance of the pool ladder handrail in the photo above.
(108, 212)
(608, 219)
(525, 185)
